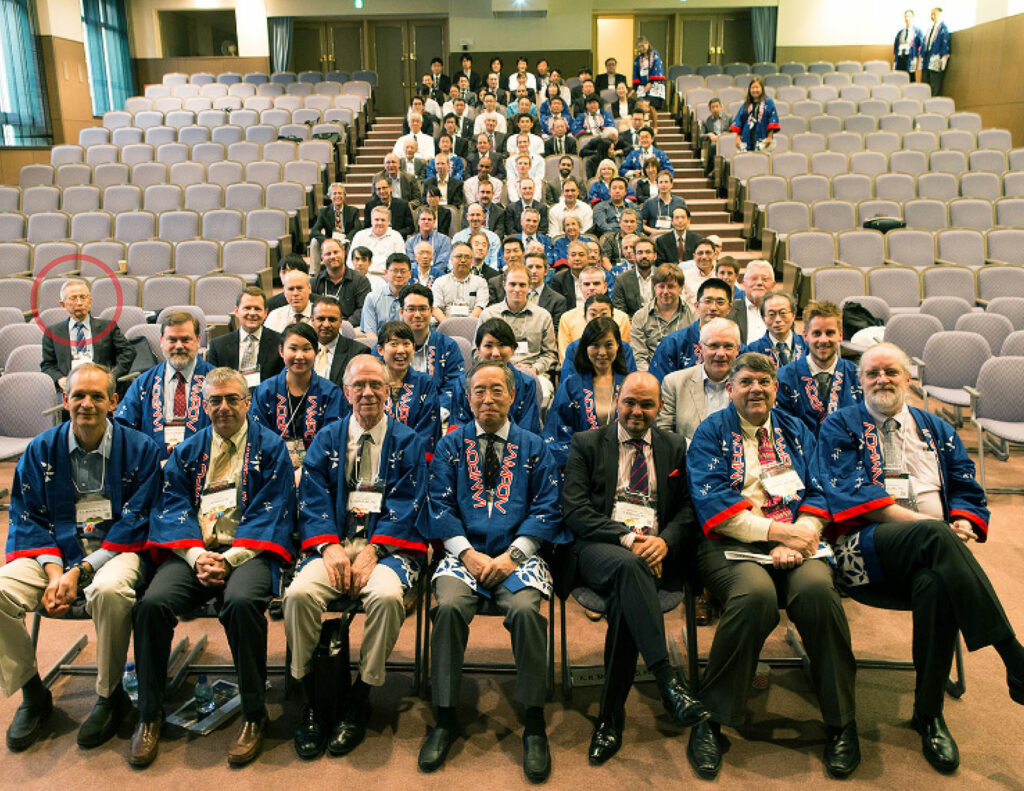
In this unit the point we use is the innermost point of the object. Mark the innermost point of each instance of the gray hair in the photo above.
(71, 281)
(223, 376)
(776, 295)
(904, 359)
(91, 366)
(337, 185)
(752, 361)
(479, 365)
(717, 324)
(760, 263)
(346, 379)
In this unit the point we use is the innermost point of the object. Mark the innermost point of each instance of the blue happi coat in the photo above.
(717, 467)
(418, 407)
(766, 346)
(142, 407)
(323, 494)
(753, 128)
(526, 503)
(635, 161)
(677, 350)
(572, 410)
(42, 514)
(523, 412)
(798, 392)
(569, 364)
(444, 363)
(655, 74)
(325, 404)
(267, 496)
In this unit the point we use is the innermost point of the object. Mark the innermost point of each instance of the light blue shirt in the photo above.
(379, 308)
(494, 243)
(442, 247)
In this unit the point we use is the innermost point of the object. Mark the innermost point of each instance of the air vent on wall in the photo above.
(510, 9)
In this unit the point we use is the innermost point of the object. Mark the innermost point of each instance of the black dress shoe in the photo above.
(350, 732)
(937, 743)
(605, 742)
(536, 757)
(105, 719)
(684, 709)
(310, 736)
(1016, 686)
(28, 723)
(842, 751)
(435, 749)
(704, 750)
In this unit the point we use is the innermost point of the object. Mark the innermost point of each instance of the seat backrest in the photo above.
(991, 326)
(148, 257)
(961, 246)
(926, 214)
(996, 281)
(789, 164)
(811, 249)
(24, 397)
(1006, 244)
(953, 359)
(836, 283)
(899, 286)
(946, 309)
(862, 247)
(1014, 346)
(833, 216)
(787, 216)
(938, 186)
(852, 187)
(196, 257)
(986, 186)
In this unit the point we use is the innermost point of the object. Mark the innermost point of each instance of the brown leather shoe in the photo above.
(145, 744)
(248, 742)
(704, 609)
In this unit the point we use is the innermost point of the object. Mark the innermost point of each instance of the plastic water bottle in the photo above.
(204, 696)
(130, 682)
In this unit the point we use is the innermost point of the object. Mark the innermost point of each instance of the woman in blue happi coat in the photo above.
(413, 399)
(757, 120)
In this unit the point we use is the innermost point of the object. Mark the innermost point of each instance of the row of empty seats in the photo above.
(891, 82)
(312, 111)
(358, 87)
(174, 78)
(766, 68)
(696, 95)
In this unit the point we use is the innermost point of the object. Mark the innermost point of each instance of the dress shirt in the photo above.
(646, 286)
(532, 324)
(918, 461)
(606, 216)
(471, 188)
(715, 395)
(750, 525)
(442, 247)
(755, 324)
(573, 322)
(692, 281)
(536, 145)
(169, 386)
(281, 317)
(816, 369)
(380, 307)
(80, 352)
(423, 140)
(493, 241)
(355, 435)
(456, 545)
(381, 246)
(327, 350)
(471, 292)
(626, 451)
(89, 470)
(557, 214)
(243, 339)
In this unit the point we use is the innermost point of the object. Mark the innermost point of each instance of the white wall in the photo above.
(61, 18)
(250, 18)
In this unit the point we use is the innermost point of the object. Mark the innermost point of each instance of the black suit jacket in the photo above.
(401, 216)
(112, 350)
(324, 228)
(588, 495)
(497, 164)
(428, 124)
(224, 351)
(601, 81)
(344, 350)
(565, 284)
(455, 193)
(497, 220)
(626, 296)
(572, 146)
(411, 193)
(738, 313)
(444, 220)
(667, 251)
(554, 303)
(514, 216)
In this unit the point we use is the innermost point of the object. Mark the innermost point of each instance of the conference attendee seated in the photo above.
(297, 402)
(166, 402)
(597, 306)
(359, 525)
(493, 502)
(764, 497)
(690, 395)
(592, 280)
(79, 515)
(475, 218)
(625, 500)
(426, 222)
(434, 353)
(561, 248)
(593, 120)
(587, 399)
(613, 244)
(424, 272)
(223, 522)
(448, 185)
(661, 316)
(411, 163)
(679, 244)
(632, 165)
(609, 200)
(432, 195)
(634, 288)
(559, 130)
(902, 493)
(383, 305)
(704, 257)
(496, 341)
(451, 151)
(252, 349)
(460, 293)
(758, 282)
(413, 398)
(297, 289)
(422, 137)
(779, 344)
(380, 239)
(533, 327)
(516, 210)
(536, 263)
(814, 386)
(81, 338)
(287, 264)
(338, 280)
(399, 209)
(570, 206)
(337, 218)
(727, 268)
(335, 349)
(681, 349)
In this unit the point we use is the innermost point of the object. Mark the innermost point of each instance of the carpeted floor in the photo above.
(779, 747)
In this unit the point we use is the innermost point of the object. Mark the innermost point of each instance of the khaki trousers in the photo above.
(307, 599)
(109, 601)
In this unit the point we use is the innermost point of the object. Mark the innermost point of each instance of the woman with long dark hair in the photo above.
(757, 120)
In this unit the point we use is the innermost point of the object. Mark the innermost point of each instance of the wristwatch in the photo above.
(517, 555)
(85, 574)
(380, 550)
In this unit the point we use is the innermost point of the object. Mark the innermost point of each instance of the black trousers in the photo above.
(934, 79)
(635, 621)
(931, 572)
(175, 590)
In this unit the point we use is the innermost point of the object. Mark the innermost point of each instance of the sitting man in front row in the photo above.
(780, 343)
(79, 514)
(753, 489)
(626, 501)
(493, 501)
(360, 522)
(226, 514)
(901, 490)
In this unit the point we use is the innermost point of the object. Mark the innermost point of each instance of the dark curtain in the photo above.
(762, 28)
(280, 42)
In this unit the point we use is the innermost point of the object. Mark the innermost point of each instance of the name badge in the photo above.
(174, 433)
(664, 223)
(91, 511)
(218, 501)
(77, 361)
(296, 449)
(252, 378)
(898, 486)
(362, 502)
(522, 347)
(639, 518)
(781, 482)
(457, 309)
(339, 236)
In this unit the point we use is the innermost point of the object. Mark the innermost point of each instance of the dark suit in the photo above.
(565, 284)
(401, 215)
(410, 190)
(601, 81)
(628, 140)
(635, 621)
(344, 350)
(667, 250)
(571, 146)
(514, 216)
(224, 351)
(738, 313)
(444, 220)
(497, 220)
(455, 194)
(428, 124)
(596, 149)
(474, 79)
(324, 226)
(112, 350)
(554, 303)
(497, 164)
(276, 301)
(419, 166)
(466, 131)
(626, 296)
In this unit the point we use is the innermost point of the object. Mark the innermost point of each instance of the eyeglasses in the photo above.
(230, 400)
(417, 309)
(721, 303)
(778, 314)
(724, 347)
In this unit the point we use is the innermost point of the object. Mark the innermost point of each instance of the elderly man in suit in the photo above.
(252, 349)
(690, 395)
(680, 243)
(758, 280)
(625, 501)
(338, 218)
(404, 185)
(83, 338)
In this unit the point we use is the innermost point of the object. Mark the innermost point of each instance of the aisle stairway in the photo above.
(709, 211)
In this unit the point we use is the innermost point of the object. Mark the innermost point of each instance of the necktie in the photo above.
(774, 507)
(681, 247)
(338, 222)
(299, 318)
(491, 139)
(533, 296)
(365, 464)
(180, 395)
(320, 366)
(79, 336)
(824, 382)
(639, 480)
(362, 475)
(892, 451)
(558, 145)
(249, 354)
(492, 462)
(782, 350)
(222, 464)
